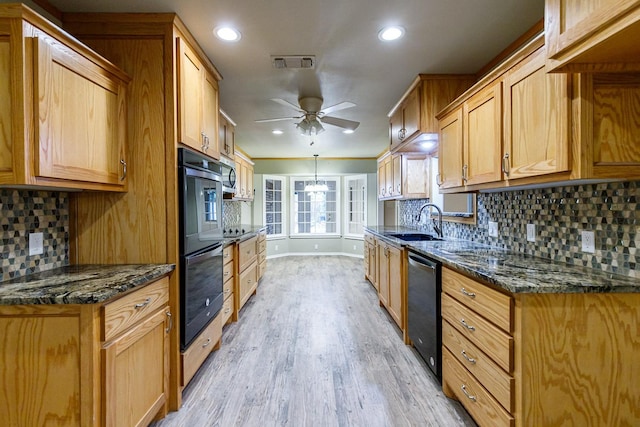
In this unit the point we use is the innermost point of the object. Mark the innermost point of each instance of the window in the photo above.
(355, 209)
(274, 205)
(315, 213)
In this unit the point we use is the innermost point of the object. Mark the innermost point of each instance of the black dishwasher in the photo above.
(424, 320)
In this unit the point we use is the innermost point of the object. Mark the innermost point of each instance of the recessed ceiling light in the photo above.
(391, 33)
(277, 132)
(227, 34)
(348, 131)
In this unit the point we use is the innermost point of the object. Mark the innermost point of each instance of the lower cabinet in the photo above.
(89, 364)
(262, 253)
(540, 359)
(370, 264)
(247, 271)
(392, 284)
(228, 307)
(200, 348)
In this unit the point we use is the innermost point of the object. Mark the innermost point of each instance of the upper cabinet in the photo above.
(593, 35)
(244, 178)
(197, 103)
(226, 135)
(414, 114)
(403, 176)
(62, 109)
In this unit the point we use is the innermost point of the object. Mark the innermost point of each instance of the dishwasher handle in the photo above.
(423, 263)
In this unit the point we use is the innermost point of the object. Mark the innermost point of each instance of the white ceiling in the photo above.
(442, 36)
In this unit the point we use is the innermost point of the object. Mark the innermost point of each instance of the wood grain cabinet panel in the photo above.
(63, 110)
(207, 341)
(450, 150)
(592, 35)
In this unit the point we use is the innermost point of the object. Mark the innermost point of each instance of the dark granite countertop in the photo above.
(511, 271)
(79, 284)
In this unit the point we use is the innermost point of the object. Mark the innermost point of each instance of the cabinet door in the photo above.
(482, 137)
(536, 131)
(395, 129)
(383, 273)
(248, 283)
(210, 115)
(244, 181)
(415, 176)
(395, 285)
(190, 95)
(249, 180)
(450, 151)
(136, 373)
(382, 180)
(6, 137)
(388, 174)
(81, 118)
(396, 167)
(411, 114)
(594, 35)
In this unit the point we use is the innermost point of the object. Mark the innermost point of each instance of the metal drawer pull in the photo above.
(206, 343)
(467, 293)
(469, 359)
(227, 310)
(124, 169)
(226, 273)
(466, 325)
(170, 327)
(466, 393)
(142, 304)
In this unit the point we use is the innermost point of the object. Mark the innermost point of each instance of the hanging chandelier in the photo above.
(316, 187)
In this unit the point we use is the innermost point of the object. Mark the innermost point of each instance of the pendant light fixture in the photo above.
(316, 187)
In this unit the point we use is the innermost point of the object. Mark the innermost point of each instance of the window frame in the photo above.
(283, 211)
(293, 223)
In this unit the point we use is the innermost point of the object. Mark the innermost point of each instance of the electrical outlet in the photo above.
(35, 244)
(588, 241)
(354, 248)
(276, 247)
(315, 246)
(531, 232)
(493, 229)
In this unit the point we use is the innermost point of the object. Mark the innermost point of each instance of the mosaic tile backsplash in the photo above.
(560, 215)
(231, 214)
(23, 212)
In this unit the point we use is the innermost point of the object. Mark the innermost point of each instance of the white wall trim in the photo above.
(361, 256)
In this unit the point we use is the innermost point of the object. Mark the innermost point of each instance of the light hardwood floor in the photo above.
(313, 348)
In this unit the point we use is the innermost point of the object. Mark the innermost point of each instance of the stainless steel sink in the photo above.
(413, 237)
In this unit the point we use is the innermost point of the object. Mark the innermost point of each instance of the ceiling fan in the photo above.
(312, 115)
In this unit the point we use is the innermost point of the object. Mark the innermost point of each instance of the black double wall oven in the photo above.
(200, 210)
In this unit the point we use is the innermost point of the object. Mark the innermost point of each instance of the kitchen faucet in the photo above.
(437, 228)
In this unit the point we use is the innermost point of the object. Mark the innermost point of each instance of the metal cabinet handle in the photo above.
(227, 310)
(227, 291)
(170, 327)
(226, 273)
(505, 164)
(465, 173)
(142, 304)
(206, 343)
(467, 293)
(438, 181)
(469, 359)
(466, 393)
(466, 325)
(124, 169)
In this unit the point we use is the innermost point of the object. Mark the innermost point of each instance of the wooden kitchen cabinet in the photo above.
(262, 252)
(508, 363)
(247, 271)
(244, 174)
(450, 150)
(198, 103)
(201, 347)
(592, 36)
(414, 114)
(87, 364)
(370, 259)
(392, 284)
(63, 108)
(403, 176)
(226, 135)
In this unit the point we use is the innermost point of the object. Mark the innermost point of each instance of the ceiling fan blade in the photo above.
(342, 123)
(338, 107)
(276, 119)
(287, 104)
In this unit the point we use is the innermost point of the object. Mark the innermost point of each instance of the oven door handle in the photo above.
(210, 253)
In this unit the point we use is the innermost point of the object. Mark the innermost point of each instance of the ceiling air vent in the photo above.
(293, 61)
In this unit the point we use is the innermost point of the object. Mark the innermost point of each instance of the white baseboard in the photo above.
(361, 256)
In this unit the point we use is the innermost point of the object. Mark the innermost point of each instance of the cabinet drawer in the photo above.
(491, 340)
(478, 401)
(262, 245)
(262, 267)
(246, 253)
(204, 344)
(227, 309)
(489, 303)
(495, 380)
(132, 308)
(262, 257)
(369, 238)
(227, 288)
(227, 272)
(227, 254)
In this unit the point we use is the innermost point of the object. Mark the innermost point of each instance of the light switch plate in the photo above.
(588, 242)
(531, 232)
(493, 229)
(35, 244)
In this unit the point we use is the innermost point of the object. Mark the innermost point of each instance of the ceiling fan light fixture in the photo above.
(310, 127)
(348, 131)
(277, 132)
(228, 34)
(391, 33)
